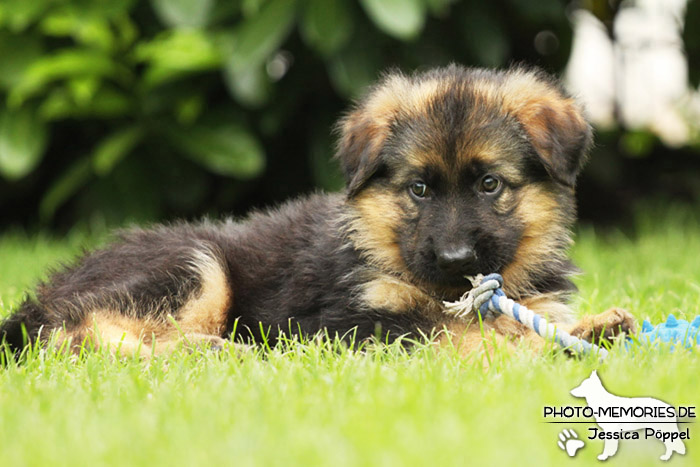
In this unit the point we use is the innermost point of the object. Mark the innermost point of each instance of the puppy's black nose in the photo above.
(456, 259)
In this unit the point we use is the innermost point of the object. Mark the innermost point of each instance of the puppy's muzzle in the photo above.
(456, 260)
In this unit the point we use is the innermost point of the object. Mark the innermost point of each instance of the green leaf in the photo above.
(17, 52)
(19, 14)
(440, 8)
(326, 25)
(114, 148)
(64, 64)
(251, 7)
(189, 107)
(484, 36)
(107, 102)
(86, 30)
(64, 187)
(126, 31)
(183, 13)
(23, 139)
(403, 19)
(98, 8)
(541, 11)
(177, 52)
(250, 87)
(260, 35)
(324, 168)
(637, 143)
(354, 69)
(83, 89)
(224, 148)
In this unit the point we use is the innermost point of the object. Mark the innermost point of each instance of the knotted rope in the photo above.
(487, 296)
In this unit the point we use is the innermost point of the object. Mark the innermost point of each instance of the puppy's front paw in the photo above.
(605, 326)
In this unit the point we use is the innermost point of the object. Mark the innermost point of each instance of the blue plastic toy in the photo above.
(674, 331)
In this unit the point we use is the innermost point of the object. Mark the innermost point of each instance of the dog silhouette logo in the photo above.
(623, 417)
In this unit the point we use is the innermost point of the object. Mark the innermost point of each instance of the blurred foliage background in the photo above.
(125, 110)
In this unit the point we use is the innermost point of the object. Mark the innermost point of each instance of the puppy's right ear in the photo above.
(359, 148)
(365, 130)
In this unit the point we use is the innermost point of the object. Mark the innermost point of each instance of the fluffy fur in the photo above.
(421, 155)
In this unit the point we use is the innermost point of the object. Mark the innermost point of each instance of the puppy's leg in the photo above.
(150, 308)
(500, 333)
(592, 328)
(190, 341)
(469, 338)
(604, 326)
(104, 328)
(504, 331)
(127, 336)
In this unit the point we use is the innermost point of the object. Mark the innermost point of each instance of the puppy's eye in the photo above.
(418, 189)
(490, 184)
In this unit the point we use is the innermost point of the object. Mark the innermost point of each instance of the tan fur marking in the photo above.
(542, 234)
(537, 209)
(479, 149)
(608, 324)
(114, 331)
(468, 338)
(392, 294)
(397, 95)
(127, 336)
(505, 333)
(400, 92)
(524, 92)
(206, 312)
(419, 160)
(373, 230)
(502, 333)
(539, 106)
(201, 320)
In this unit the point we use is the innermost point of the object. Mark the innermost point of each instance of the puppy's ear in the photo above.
(365, 130)
(362, 137)
(553, 121)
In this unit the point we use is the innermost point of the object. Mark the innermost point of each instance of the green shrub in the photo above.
(138, 110)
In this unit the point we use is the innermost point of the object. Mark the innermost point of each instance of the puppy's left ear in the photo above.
(554, 123)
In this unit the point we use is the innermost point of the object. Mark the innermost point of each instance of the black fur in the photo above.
(290, 269)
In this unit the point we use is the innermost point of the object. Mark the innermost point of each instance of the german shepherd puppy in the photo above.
(450, 172)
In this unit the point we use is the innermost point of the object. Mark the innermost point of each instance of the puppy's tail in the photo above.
(18, 329)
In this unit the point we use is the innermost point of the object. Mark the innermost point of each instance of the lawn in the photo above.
(318, 405)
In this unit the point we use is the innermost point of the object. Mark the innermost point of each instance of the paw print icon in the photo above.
(569, 442)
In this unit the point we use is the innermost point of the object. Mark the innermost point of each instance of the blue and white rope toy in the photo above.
(487, 295)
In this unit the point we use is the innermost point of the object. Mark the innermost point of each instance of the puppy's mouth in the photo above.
(458, 279)
(450, 287)
(444, 284)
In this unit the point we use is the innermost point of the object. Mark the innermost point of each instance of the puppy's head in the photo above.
(461, 171)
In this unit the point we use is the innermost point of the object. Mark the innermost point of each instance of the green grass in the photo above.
(314, 404)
